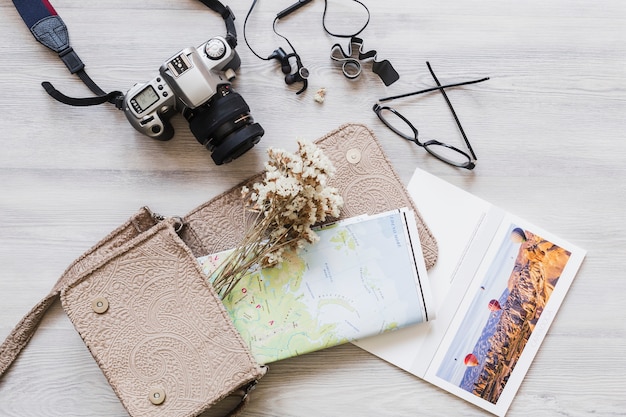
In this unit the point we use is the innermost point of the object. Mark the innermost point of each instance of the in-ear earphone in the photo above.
(301, 73)
(283, 58)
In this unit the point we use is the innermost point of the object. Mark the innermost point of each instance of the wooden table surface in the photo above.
(548, 130)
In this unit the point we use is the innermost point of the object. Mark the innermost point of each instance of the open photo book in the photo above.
(365, 276)
(497, 285)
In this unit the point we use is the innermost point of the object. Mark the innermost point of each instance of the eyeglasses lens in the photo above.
(448, 154)
(397, 123)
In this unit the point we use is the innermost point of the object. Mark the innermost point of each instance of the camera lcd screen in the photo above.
(146, 98)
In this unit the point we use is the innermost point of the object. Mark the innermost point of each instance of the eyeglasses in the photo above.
(401, 126)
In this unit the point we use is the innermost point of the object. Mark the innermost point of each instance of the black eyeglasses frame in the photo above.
(430, 145)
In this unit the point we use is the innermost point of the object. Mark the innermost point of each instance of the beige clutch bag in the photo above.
(156, 328)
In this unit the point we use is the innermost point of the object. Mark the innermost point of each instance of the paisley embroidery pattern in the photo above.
(368, 186)
(165, 329)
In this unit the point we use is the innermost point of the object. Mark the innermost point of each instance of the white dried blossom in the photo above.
(293, 196)
(320, 95)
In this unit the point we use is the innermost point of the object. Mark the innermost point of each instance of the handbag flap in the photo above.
(158, 331)
(364, 177)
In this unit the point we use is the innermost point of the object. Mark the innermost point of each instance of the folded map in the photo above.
(365, 276)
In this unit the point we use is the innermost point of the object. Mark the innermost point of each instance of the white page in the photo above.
(481, 259)
(454, 218)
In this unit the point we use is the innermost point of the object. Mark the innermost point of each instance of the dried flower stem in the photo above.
(292, 197)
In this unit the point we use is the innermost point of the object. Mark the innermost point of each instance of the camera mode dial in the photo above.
(215, 49)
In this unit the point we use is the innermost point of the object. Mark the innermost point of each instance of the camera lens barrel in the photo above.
(238, 143)
(224, 125)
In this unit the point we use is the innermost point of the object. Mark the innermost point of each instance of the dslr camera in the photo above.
(196, 83)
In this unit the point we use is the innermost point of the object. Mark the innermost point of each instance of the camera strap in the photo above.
(49, 29)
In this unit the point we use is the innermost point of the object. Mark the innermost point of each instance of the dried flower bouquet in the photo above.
(292, 197)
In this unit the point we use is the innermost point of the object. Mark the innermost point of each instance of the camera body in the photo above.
(196, 83)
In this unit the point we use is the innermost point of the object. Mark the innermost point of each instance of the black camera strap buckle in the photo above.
(229, 19)
(49, 29)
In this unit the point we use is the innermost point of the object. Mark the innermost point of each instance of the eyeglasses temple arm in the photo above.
(458, 123)
(427, 90)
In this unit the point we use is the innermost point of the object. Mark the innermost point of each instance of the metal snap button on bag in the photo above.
(353, 156)
(157, 396)
(100, 305)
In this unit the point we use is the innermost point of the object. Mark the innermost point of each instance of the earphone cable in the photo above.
(342, 35)
(245, 38)
(283, 36)
(245, 23)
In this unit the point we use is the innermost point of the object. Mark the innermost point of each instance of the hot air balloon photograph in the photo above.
(518, 235)
(508, 295)
(494, 305)
(470, 360)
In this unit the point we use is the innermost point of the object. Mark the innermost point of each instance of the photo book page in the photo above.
(497, 285)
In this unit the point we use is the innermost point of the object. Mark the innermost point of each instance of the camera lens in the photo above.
(224, 125)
